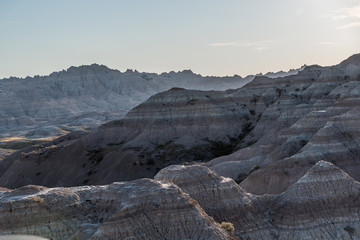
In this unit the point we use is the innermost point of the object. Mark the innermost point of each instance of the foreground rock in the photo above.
(323, 204)
(141, 209)
(182, 203)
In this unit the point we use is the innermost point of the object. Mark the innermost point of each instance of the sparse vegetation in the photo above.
(254, 168)
(228, 226)
(254, 99)
(192, 101)
(303, 143)
(219, 148)
(97, 155)
(150, 161)
(250, 143)
(350, 230)
(241, 177)
(37, 199)
(16, 145)
(280, 91)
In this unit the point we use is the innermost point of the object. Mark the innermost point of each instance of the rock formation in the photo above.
(141, 209)
(323, 204)
(274, 130)
(87, 96)
(182, 203)
(314, 117)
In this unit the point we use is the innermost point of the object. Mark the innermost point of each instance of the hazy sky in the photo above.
(211, 37)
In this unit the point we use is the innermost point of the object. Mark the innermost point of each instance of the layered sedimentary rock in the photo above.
(182, 203)
(315, 116)
(141, 209)
(87, 96)
(323, 204)
(273, 129)
(4, 153)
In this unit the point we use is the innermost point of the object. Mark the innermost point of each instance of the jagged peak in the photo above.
(188, 71)
(84, 68)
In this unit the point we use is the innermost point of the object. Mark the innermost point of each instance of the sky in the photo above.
(210, 37)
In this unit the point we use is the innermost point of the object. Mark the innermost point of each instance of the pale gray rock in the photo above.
(322, 204)
(87, 96)
(141, 209)
(265, 126)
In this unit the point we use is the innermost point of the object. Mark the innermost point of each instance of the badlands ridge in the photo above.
(183, 161)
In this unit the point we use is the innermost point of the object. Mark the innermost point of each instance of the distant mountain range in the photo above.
(87, 96)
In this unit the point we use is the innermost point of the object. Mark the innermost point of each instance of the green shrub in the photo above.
(228, 226)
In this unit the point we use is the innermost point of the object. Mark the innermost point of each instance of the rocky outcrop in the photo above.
(323, 204)
(141, 209)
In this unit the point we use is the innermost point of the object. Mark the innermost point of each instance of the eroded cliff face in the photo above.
(268, 134)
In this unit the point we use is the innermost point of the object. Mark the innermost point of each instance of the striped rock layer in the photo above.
(265, 135)
(186, 202)
(141, 209)
(323, 204)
